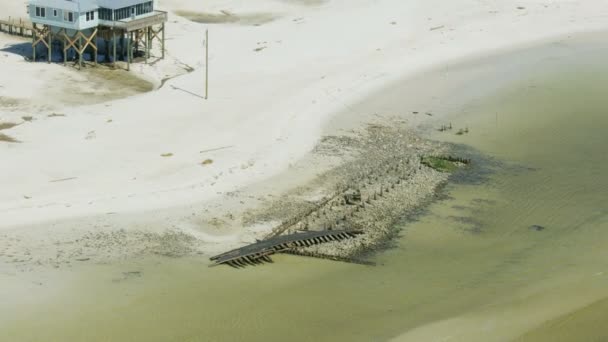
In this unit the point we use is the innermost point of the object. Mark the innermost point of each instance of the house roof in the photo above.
(86, 5)
(70, 5)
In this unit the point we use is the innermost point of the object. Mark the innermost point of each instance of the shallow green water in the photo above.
(471, 255)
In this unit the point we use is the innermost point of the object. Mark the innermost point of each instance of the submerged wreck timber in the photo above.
(351, 210)
(260, 251)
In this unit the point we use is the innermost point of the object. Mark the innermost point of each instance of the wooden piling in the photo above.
(50, 46)
(34, 46)
(147, 37)
(113, 48)
(65, 48)
(129, 38)
(95, 49)
(79, 51)
(163, 42)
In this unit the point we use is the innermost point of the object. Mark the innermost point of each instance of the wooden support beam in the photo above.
(148, 40)
(114, 48)
(50, 45)
(69, 42)
(39, 36)
(33, 46)
(129, 50)
(158, 34)
(64, 49)
(95, 52)
(146, 37)
(106, 54)
(76, 43)
(79, 51)
(136, 41)
(89, 41)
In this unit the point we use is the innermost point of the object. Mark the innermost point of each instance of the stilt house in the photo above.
(125, 28)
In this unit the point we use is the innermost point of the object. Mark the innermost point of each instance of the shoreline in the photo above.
(214, 226)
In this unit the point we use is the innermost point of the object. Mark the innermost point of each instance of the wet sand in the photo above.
(586, 324)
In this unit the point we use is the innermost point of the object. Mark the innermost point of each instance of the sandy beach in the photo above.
(102, 165)
(267, 119)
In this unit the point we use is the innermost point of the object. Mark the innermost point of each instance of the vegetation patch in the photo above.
(463, 131)
(443, 163)
(7, 125)
(6, 138)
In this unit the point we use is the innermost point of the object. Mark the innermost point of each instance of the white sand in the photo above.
(267, 106)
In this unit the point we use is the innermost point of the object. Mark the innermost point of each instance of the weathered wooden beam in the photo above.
(113, 48)
(33, 46)
(330, 257)
(147, 44)
(261, 250)
(163, 43)
(50, 45)
(64, 47)
(129, 39)
(79, 51)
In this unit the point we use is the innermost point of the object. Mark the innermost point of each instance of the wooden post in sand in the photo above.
(206, 64)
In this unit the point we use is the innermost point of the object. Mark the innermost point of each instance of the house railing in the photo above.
(17, 26)
(158, 17)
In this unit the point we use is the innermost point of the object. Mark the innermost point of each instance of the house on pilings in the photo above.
(118, 30)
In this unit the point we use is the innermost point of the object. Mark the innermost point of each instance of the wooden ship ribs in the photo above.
(339, 215)
(260, 252)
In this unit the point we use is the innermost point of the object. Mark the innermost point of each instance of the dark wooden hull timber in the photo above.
(259, 252)
(329, 257)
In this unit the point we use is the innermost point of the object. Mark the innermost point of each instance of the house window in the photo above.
(68, 16)
(105, 14)
(54, 13)
(41, 12)
(125, 12)
(90, 15)
(88, 18)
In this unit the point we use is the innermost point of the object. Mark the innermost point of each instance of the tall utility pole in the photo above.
(206, 64)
